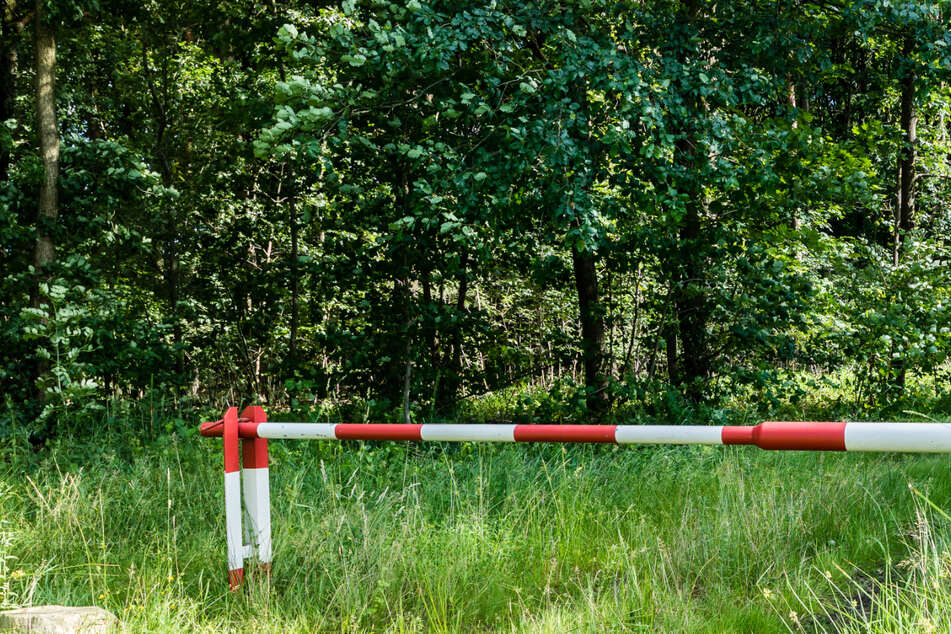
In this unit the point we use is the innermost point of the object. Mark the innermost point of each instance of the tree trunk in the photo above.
(691, 305)
(592, 329)
(689, 292)
(295, 281)
(408, 372)
(427, 318)
(448, 388)
(408, 378)
(44, 252)
(171, 278)
(591, 310)
(791, 100)
(47, 208)
(670, 348)
(905, 209)
(9, 30)
(635, 322)
(172, 230)
(399, 346)
(690, 289)
(909, 123)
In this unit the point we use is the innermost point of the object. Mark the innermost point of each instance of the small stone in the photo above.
(59, 619)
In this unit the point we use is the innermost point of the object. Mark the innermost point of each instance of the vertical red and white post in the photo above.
(248, 533)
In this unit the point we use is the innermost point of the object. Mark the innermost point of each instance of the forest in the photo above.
(655, 211)
(402, 207)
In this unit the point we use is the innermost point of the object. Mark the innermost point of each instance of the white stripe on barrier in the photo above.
(917, 437)
(318, 431)
(233, 520)
(668, 434)
(479, 433)
(257, 504)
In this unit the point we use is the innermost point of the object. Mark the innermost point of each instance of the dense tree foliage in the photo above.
(401, 205)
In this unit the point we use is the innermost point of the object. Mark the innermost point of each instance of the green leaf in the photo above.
(287, 32)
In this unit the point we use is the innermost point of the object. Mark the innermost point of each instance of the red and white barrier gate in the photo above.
(254, 431)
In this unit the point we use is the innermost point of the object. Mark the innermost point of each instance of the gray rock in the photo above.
(59, 619)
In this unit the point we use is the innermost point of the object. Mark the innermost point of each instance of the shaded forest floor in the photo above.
(397, 538)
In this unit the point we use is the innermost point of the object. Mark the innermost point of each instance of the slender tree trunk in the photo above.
(9, 30)
(690, 287)
(398, 341)
(592, 329)
(791, 99)
(802, 99)
(591, 310)
(408, 377)
(47, 209)
(399, 368)
(170, 251)
(44, 252)
(905, 209)
(635, 322)
(448, 389)
(690, 299)
(171, 278)
(652, 357)
(670, 346)
(909, 124)
(295, 280)
(610, 310)
(408, 354)
(905, 199)
(428, 325)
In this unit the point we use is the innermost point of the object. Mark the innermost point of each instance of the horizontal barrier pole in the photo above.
(810, 436)
(247, 494)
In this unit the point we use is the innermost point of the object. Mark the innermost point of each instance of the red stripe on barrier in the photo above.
(789, 436)
(737, 435)
(235, 577)
(253, 455)
(801, 436)
(216, 428)
(211, 428)
(378, 431)
(564, 433)
(230, 434)
(254, 450)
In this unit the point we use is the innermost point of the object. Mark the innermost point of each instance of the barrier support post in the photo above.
(256, 490)
(233, 499)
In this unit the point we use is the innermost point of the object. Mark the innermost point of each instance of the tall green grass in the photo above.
(403, 538)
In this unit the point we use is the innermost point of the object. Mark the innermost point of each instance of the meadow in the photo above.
(475, 537)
